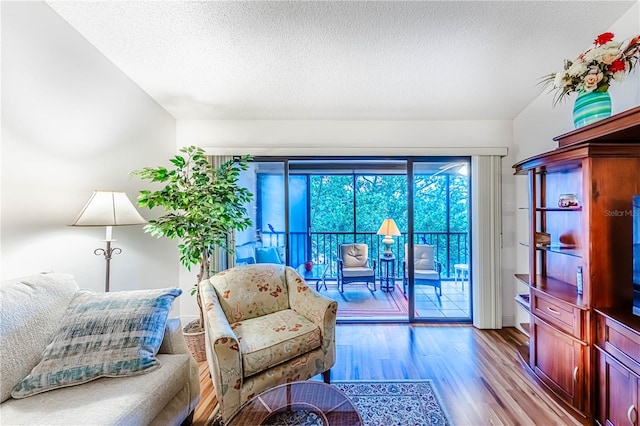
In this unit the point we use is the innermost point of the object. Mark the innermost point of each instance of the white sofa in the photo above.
(31, 309)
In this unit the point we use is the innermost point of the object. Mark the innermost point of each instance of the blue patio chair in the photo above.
(353, 266)
(426, 268)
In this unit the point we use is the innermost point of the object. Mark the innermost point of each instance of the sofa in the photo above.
(35, 312)
(264, 326)
(251, 253)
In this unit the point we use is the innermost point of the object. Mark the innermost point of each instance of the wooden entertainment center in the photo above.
(584, 342)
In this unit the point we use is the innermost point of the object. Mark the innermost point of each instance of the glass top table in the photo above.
(317, 273)
(302, 402)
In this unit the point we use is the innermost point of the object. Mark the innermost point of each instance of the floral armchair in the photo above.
(264, 326)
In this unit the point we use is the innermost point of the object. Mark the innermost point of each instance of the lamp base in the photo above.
(388, 243)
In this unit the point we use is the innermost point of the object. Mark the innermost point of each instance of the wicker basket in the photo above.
(195, 342)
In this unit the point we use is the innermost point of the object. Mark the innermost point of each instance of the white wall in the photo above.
(534, 130)
(72, 122)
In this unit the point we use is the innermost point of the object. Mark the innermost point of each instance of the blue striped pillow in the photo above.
(102, 335)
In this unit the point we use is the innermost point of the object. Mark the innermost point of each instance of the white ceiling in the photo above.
(341, 60)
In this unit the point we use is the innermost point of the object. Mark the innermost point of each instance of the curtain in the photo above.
(220, 259)
(486, 241)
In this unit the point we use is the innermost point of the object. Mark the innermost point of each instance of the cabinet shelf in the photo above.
(524, 279)
(568, 250)
(559, 209)
(557, 289)
(525, 328)
(560, 290)
(523, 300)
(523, 354)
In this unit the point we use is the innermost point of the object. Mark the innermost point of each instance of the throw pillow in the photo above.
(267, 255)
(102, 335)
(245, 254)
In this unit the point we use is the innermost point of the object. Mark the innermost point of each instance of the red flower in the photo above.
(603, 38)
(617, 65)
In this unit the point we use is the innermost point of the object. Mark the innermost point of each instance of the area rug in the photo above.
(391, 403)
(358, 301)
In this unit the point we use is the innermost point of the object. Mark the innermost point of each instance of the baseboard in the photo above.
(508, 321)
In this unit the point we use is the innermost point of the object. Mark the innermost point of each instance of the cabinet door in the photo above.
(559, 361)
(618, 401)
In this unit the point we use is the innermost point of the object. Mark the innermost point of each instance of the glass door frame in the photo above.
(410, 235)
(409, 171)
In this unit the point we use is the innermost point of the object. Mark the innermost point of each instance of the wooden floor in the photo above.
(477, 372)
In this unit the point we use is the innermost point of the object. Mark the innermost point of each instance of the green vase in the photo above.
(591, 107)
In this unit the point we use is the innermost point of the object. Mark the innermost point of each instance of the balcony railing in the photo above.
(322, 247)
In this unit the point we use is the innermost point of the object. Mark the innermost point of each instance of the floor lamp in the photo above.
(108, 208)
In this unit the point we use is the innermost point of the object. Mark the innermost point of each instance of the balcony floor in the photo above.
(357, 302)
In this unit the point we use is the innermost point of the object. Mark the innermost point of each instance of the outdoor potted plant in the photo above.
(203, 206)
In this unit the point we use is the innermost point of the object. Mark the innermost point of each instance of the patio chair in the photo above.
(426, 268)
(354, 266)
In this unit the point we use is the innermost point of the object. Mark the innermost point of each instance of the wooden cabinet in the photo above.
(563, 316)
(618, 400)
(560, 361)
(618, 349)
(579, 253)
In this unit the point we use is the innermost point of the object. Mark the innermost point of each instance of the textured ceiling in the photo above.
(339, 60)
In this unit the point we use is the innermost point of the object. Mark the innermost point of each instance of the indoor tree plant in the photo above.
(203, 206)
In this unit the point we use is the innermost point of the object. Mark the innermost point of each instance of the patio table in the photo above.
(317, 273)
(387, 274)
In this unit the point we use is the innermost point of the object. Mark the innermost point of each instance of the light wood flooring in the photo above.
(476, 372)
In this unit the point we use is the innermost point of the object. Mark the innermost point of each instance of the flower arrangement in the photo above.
(596, 67)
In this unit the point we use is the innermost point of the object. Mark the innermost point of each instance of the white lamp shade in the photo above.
(109, 208)
(389, 227)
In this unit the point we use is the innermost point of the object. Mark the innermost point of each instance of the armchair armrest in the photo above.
(438, 266)
(223, 351)
(320, 309)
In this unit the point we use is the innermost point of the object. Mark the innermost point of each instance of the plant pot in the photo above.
(591, 107)
(194, 336)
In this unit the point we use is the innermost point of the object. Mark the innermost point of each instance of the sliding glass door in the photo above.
(441, 247)
(304, 209)
(266, 240)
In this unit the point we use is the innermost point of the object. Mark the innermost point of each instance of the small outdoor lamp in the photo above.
(388, 229)
(108, 208)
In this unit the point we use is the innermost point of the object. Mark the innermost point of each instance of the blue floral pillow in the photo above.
(102, 335)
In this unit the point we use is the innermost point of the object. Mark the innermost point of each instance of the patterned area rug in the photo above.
(401, 403)
(358, 301)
